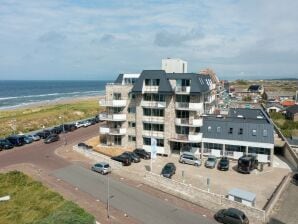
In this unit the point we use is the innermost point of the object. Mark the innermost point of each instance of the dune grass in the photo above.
(32, 203)
(30, 119)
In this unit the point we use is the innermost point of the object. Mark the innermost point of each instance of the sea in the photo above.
(14, 94)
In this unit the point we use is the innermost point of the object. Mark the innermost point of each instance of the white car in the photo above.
(86, 123)
(79, 124)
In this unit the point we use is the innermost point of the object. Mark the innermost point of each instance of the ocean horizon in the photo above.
(18, 93)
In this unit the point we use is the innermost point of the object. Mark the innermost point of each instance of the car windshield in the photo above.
(106, 166)
(224, 161)
(167, 168)
(211, 159)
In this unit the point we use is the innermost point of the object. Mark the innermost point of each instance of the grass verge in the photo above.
(30, 119)
(32, 203)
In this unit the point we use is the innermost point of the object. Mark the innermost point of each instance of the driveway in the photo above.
(136, 203)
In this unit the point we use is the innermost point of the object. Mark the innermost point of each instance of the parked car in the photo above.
(56, 130)
(295, 179)
(34, 137)
(52, 138)
(168, 170)
(247, 163)
(142, 153)
(84, 145)
(43, 134)
(86, 123)
(68, 127)
(189, 158)
(79, 124)
(27, 139)
(124, 159)
(211, 162)
(102, 167)
(133, 156)
(96, 118)
(92, 121)
(5, 144)
(223, 163)
(16, 140)
(231, 216)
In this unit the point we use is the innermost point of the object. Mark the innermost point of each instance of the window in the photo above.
(265, 133)
(240, 131)
(132, 96)
(183, 130)
(209, 128)
(117, 140)
(254, 132)
(116, 96)
(159, 142)
(131, 138)
(182, 114)
(231, 131)
(153, 112)
(131, 124)
(131, 110)
(151, 82)
(154, 97)
(183, 98)
(218, 129)
(153, 127)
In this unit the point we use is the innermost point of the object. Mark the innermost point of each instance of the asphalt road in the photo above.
(134, 202)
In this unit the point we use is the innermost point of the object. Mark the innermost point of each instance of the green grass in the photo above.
(32, 203)
(30, 119)
(288, 127)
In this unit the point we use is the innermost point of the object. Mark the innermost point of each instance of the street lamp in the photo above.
(108, 198)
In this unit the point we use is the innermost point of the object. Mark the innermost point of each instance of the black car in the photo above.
(92, 121)
(68, 127)
(295, 179)
(168, 170)
(52, 138)
(133, 156)
(247, 163)
(96, 118)
(56, 130)
(84, 145)
(44, 134)
(16, 140)
(223, 164)
(142, 153)
(124, 159)
(5, 144)
(231, 216)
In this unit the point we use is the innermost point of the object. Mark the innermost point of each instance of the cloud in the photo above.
(107, 38)
(52, 37)
(165, 38)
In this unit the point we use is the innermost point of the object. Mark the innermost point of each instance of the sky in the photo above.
(97, 40)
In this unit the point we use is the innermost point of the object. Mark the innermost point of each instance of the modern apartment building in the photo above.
(165, 106)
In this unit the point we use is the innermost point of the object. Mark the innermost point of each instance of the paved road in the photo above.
(134, 202)
(287, 211)
(43, 155)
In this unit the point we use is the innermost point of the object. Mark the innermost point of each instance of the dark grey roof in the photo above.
(254, 88)
(246, 113)
(292, 109)
(268, 105)
(219, 128)
(119, 79)
(199, 83)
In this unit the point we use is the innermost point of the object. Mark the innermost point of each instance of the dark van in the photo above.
(16, 140)
(247, 163)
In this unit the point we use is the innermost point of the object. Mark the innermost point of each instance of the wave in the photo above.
(52, 94)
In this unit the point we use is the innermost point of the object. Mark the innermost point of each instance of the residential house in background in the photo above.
(292, 113)
(274, 107)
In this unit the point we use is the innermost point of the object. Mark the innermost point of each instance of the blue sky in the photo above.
(86, 39)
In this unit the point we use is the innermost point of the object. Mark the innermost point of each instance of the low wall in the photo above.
(201, 197)
(89, 153)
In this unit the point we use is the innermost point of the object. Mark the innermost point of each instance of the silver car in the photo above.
(102, 167)
(189, 158)
(211, 161)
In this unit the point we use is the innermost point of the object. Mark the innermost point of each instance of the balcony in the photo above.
(150, 89)
(189, 122)
(182, 89)
(112, 117)
(153, 119)
(190, 138)
(153, 104)
(112, 103)
(158, 134)
(190, 106)
(112, 131)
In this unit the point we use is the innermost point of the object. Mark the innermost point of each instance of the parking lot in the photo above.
(261, 183)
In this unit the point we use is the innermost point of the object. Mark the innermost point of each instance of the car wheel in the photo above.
(183, 161)
(196, 164)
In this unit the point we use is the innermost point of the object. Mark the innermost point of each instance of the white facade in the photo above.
(174, 65)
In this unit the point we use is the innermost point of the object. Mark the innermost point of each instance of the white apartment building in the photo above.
(158, 104)
(174, 65)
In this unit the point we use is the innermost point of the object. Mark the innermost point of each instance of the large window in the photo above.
(131, 110)
(116, 96)
(159, 142)
(131, 138)
(257, 150)
(213, 146)
(182, 98)
(131, 124)
(153, 127)
(117, 140)
(153, 112)
(182, 114)
(154, 97)
(183, 82)
(152, 82)
(182, 130)
(235, 148)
